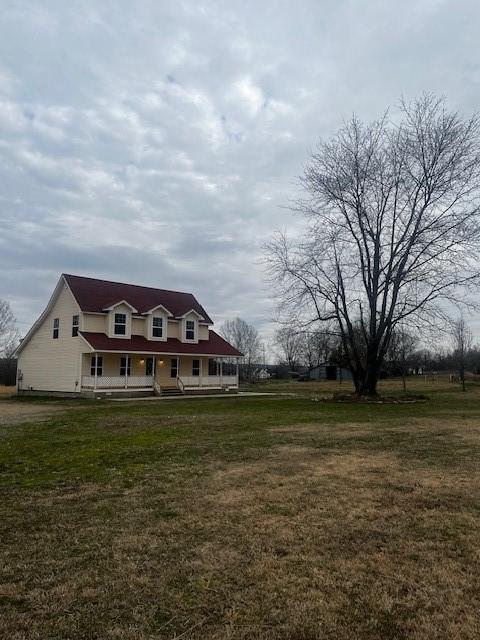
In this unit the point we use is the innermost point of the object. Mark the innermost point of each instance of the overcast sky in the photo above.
(158, 142)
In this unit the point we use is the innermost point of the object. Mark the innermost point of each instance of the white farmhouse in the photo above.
(101, 338)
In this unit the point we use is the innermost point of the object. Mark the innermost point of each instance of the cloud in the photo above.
(249, 95)
(159, 143)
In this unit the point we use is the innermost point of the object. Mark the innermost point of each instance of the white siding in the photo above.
(95, 323)
(139, 327)
(48, 364)
(173, 329)
(99, 324)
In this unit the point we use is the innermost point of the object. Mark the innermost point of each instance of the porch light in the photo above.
(142, 361)
(161, 362)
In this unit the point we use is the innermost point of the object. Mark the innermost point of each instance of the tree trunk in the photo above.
(368, 381)
(368, 385)
(462, 374)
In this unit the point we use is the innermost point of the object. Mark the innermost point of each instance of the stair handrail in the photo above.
(180, 384)
(157, 388)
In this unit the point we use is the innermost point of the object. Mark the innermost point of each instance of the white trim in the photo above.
(162, 353)
(164, 318)
(117, 304)
(96, 370)
(200, 317)
(111, 324)
(86, 342)
(159, 306)
(196, 331)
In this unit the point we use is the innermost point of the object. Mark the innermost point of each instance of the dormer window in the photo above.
(190, 330)
(120, 324)
(157, 327)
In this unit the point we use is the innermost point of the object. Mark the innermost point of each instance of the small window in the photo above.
(99, 363)
(56, 328)
(174, 367)
(157, 327)
(74, 326)
(120, 327)
(195, 367)
(125, 365)
(190, 330)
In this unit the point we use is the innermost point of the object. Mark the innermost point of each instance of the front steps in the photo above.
(170, 391)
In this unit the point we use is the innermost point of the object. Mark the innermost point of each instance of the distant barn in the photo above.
(328, 371)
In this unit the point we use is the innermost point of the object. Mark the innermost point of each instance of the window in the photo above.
(157, 327)
(149, 367)
(120, 326)
(125, 365)
(212, 367)
(99, 362)
(56, 328)
(74, 326)
(190, 330)
(195, 367)
(173, 367)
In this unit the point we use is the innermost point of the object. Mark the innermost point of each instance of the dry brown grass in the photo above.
(362, 529)
(12, 413)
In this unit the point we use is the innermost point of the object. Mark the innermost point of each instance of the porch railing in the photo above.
(209, 381)
(117, 382)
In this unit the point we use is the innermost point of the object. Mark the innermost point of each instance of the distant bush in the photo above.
(8, 371)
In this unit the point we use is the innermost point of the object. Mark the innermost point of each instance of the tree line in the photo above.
(9, 340)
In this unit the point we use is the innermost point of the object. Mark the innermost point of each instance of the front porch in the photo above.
(109, 373)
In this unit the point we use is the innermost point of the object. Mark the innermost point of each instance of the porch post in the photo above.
(221, 371)
(126, 371)
(201, 371)
(154, 370)
(96, 369)
(236, 368)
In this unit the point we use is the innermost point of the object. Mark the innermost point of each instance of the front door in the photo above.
(149, 367)
(174, 367)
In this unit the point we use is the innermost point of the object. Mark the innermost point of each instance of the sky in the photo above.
(160, 143)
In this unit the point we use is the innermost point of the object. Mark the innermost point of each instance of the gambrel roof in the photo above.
(94, 296)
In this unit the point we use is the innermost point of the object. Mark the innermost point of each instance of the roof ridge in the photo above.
(127, 284)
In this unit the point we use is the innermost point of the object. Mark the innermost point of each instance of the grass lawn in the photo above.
(242, 518)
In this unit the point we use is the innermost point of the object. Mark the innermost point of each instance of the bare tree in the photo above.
(245, 338)
(462, 343)
(317, 346)
(392, 230)
(9, 336)
(400, 350)
(289, 344)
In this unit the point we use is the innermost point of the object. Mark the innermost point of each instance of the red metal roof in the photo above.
(95, 295)
(214, 346)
